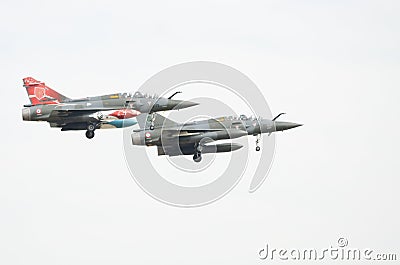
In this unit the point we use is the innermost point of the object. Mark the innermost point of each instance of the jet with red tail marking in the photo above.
(91, 113)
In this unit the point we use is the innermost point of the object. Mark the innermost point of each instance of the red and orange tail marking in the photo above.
(40, 94)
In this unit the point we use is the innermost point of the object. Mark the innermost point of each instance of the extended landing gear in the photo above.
(258, 148)
(89, 134)
(197, 156)
(90, 131)
(152, 121)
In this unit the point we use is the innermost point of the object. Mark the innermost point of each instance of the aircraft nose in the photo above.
(182, 104)
(284, 125)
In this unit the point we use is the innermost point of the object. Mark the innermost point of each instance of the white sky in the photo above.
(332, 65)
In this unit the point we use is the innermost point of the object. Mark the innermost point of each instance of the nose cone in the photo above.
(181, 104)
(283, 125)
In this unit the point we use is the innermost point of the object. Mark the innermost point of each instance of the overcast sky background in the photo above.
(332, 65)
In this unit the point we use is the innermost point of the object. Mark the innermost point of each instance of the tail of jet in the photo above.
(144, 120)
(40, 94)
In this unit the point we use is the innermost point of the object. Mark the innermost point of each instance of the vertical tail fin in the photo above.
(39, 93)
(159, 121)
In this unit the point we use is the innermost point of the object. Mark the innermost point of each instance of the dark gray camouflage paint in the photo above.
(174, 139)
(76, 113)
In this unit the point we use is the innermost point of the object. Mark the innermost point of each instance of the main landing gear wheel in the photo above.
(89, 134)
(258, 148)
(197, 157)
(91, 127)
(90, 130)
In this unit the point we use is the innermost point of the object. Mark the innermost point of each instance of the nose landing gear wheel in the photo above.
(257, 143)
(152, 118)
(89, 134)
(197, 157)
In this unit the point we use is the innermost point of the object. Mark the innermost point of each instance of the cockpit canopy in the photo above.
(138, 94)
(241, 118)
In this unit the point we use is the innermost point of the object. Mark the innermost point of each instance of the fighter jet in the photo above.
(198, 137)
(91, 113)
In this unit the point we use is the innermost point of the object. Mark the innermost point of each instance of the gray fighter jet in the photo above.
(197, 137)
(91, 113)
